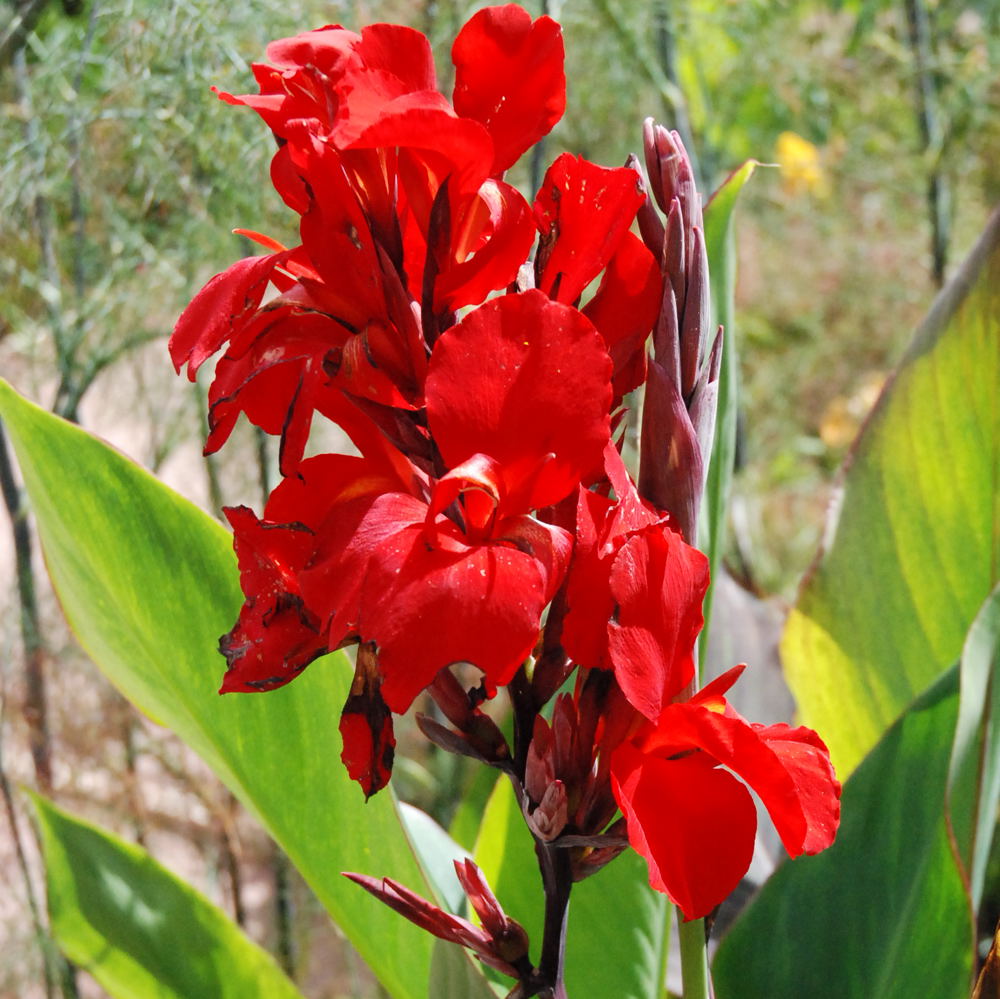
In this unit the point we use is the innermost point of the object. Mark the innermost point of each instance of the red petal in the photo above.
(402, 55)
(278, 379)
(220, 310)
(347, 541)
(713, 695)
(430, 600)
(789, 768)
(805, 759)
(479, 484)
(693, 823)
(588, 593)
(525, 381)
(625, 308)
(582, 211)
(658, 583)
(443, 144)
(301, 82)
(602, 527)
(509, 76)
(321, 485)
(276, 635)
(499, 242)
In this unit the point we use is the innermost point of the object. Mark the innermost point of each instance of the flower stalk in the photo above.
(694, 959)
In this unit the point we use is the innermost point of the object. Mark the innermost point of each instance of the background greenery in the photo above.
(122, 177)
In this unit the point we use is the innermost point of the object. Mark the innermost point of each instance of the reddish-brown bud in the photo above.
(500, 942)
(548, 819)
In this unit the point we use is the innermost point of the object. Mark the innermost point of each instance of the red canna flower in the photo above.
(682, 786)
(456, 570)
(404, 219)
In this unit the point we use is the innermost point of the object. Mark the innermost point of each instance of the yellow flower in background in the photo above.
(801, 169)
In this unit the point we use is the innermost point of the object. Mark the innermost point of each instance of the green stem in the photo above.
(664, 968)
(694, 959)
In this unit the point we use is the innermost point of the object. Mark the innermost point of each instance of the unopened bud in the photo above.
(548, 820)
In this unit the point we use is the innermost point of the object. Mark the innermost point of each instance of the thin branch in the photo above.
(42, 212)
(13, 37)
(284, 912)
(38, 926)
(931, 133)
(35, 704)
(97, 363)
(74, 140)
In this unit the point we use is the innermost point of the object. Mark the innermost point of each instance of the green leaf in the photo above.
(720, 246)
(974, 771)
(464, 828)
(882, 914)
(148, 583)
(140, 931)
(454, 975)
(617, 930)
(916, 548)
(437, 853)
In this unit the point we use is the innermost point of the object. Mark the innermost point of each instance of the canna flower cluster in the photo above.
(477, 350)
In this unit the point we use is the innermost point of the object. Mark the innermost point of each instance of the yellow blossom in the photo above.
(801, 169)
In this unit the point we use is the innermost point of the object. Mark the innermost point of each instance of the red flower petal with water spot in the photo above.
(429, 604)
(526, 381)
(583, 212)
(509, 76)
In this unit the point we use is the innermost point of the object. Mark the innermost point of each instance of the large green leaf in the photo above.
(454, 975)
(916, 548)
(882, 914)
(140, 931)
(148, 583)
(974, 771)
(617, 929)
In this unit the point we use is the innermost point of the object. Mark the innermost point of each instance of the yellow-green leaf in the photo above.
(915, 549)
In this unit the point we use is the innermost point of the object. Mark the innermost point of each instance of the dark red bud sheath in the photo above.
(501, 942)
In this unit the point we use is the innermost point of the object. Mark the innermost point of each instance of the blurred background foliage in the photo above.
(120, 182)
